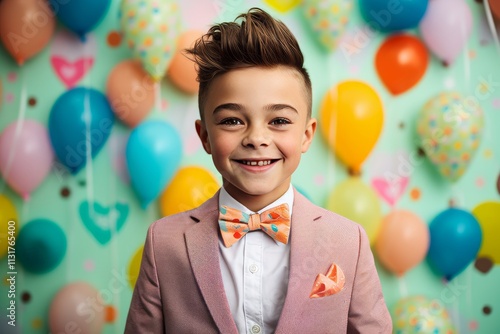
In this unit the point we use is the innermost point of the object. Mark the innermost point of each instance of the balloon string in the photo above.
(157, 89)
(403, 290)
(19, 124)
(491, 24)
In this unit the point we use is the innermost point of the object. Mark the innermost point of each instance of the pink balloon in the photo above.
(77, 308)
(402, 241)
(25, 155)
(446, 27)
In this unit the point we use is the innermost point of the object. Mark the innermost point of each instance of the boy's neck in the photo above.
(254, 202)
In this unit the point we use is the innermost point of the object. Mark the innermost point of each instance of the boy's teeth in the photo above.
(257, 163)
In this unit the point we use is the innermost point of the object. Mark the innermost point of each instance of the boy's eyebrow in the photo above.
(279, 106)
(228, 106)
(238, 107)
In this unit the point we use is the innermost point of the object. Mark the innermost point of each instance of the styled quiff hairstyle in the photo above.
(258, 40)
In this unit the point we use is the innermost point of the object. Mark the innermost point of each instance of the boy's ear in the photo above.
(309, 134)
(203, 134)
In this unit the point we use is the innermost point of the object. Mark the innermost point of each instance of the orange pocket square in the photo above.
(326, 285)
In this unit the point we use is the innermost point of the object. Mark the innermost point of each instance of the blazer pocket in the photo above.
(329, 284)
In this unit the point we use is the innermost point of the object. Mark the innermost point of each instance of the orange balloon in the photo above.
(131, 92)
(401, 61)
(182, 70)
(25, 27)
(402, 241)
(351, 119)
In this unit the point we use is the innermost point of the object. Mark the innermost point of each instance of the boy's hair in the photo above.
(259, 40)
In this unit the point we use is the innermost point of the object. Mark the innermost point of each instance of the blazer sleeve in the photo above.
(145, 313)
(368, 312)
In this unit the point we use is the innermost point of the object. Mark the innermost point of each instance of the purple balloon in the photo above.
(25, 155)
(446, 27)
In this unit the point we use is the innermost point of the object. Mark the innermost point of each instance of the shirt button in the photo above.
(254, 268)
(255, 329)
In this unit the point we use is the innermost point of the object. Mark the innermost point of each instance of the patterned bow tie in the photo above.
(234, 224)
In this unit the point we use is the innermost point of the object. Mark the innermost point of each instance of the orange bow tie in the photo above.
(234, 224)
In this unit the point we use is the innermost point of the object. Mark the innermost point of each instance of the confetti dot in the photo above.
(114, 39)
(498, 184)
(9, 97)
(496, 103)
(319, 179)
(12, 76)
(488, 153)
(449, 83)
(65, 192)
(111, 314)
(487, 310)
(31, 101)
(25, 297)
(37, 323)
(82, 183)
(472, 54)
(89, 265)
(479, 182)
(415, 194)
(5, 282)
(473, 325)
(401, 125)
(164, 104)
(421, 152)
(483, 264)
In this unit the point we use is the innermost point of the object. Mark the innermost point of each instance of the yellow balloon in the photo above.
(8, 223)
(356, 201)
(283, 5)
(134, 267)
(189, 188)
(488, 213)
(351, 119)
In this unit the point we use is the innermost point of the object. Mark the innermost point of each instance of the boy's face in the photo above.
(256, 129)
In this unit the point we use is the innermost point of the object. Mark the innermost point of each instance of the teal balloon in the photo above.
(81, 119)
(153, 154)
(455, 240)
(41, 246)
(389, 15)
(80, 16)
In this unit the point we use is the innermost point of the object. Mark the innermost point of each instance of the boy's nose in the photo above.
(256, 137)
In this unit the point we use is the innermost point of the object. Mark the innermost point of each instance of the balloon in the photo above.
(182, 70)
(327, 19)
(134, 267)
(455, 241)
(495, 8)
(351, 119)
(357, 202)
(77, 308)
(41, 246)
(283, 6)
(80, 16)
(488, 215)
(446, 31)
(402, 241)
(25, 27)
(153, 154)
(8, 224)
(401, 61)
(130, 92)
(420, 315)
(190, 187)
(150, 29)
(450, 129)
(390, 15)
(81, 119)
(26, 155)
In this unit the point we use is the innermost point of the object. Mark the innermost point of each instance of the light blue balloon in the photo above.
(78, 117)
(393, 15)
(455, 240)
(40, 246)
(153, 154)
(80, 16)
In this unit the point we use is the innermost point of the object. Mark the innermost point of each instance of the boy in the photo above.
(237, 263)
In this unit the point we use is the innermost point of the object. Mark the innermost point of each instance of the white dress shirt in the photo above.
(255, 273)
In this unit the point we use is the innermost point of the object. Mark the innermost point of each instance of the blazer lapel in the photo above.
(304, 265)
(202, 242)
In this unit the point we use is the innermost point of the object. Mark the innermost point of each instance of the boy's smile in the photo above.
(256, 127)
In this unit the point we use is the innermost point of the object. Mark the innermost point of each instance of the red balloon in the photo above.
(401, 61)
(495, 8)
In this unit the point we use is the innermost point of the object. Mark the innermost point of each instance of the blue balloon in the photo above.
(153, 154)
(79, 117)
(393, 15)
(80, 16)
(41, 246)
(455, 241)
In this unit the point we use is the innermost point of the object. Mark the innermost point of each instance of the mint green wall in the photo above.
(106, 264)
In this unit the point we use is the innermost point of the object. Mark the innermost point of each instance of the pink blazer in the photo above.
(180, 288)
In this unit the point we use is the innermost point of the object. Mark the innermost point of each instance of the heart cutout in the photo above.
(390, 191)
(99, 219)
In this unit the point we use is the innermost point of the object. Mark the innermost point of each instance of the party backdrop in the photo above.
(97, 140)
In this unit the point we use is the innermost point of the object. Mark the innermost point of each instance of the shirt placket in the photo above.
(252, 282)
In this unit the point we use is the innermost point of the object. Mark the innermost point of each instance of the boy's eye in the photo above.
(280, 121)
(231, 121)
